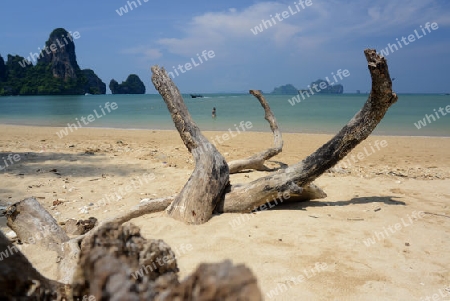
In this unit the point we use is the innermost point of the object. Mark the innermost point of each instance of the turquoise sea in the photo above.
(316, 114)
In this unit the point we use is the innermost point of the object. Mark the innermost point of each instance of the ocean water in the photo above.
(316, 114)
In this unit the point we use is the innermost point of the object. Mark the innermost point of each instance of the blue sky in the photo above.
(312, 43)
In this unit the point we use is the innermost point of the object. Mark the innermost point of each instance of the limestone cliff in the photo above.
(56, 71)
(94, 84)
(133, 85)
(59, 52)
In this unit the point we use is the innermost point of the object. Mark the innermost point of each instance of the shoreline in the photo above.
(407, 153)
(203, 130)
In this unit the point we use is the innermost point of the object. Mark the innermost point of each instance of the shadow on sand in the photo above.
(291, 205)
(74, 164)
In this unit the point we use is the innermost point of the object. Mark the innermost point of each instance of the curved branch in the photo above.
(257, 161)
(147, 207)
(206, 186)
(150, 206)
(306, 171)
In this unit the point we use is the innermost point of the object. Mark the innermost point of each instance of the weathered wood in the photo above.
(309, 192)
(244, 198)
(34, 225)
(80, 227)
(68, 250)
(206, 186)
(146, 207)
(290, 181)
(68, 261)
(106, 262)
(143, 208)
(117, 263)
(110, 253)
(220, 281)
(20, 281)
(257, 161)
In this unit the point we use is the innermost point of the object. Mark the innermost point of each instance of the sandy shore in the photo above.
(383, 232)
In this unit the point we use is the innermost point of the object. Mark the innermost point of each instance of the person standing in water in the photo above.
(214, 112)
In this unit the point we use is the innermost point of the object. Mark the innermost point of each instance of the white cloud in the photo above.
(385, 17)
(311, 28)
(232, 29)
(307, 44)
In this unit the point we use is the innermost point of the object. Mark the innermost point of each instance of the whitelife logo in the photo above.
(393, 228)
(10, 158)
(124, 9)
(265, 24)
(90, 118)
(53, 48)
(430, 118)
(322, 86)
(188, 66)
(391, 48)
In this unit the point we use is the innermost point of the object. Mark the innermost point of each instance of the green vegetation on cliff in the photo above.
(37, 80)
(133, 85)
(56, 71)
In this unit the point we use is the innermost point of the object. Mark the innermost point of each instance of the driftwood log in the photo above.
(102, 262)
(115, 263)
(246, 197)
(205, 187)
(115, 251)
(289, 182)
(34, 225)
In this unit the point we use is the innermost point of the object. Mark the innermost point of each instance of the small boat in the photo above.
(196, 95)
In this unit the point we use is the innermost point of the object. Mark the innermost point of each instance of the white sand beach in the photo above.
(383, 232)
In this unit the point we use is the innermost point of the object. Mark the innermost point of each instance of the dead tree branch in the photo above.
(117, 263)
(244, 198)
(111, 252)
(206, 186)
(257, 161)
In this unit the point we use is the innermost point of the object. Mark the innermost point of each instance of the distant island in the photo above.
(325, 88)
(56, 72)
(285, 90)
(320, 86)
(132, 85)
